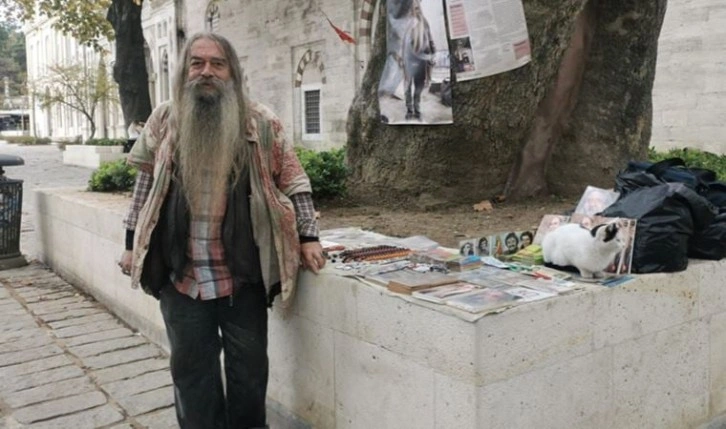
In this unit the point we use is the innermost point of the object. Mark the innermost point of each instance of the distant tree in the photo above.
(12, 57)
(90, 22)
(83, 89)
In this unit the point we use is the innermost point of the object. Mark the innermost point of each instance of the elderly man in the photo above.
(221, 220)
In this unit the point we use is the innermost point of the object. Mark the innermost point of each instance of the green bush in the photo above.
(26, 140)
(115, 176)
(693, 158)
(327, 171)
(105, 142)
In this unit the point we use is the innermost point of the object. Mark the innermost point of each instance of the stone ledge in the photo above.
(645, 354)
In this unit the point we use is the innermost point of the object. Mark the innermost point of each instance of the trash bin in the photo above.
(128, 145)
(11, 204)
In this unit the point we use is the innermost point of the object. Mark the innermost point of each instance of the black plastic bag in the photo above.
(668, 216)
(710, 243)
(674, 170)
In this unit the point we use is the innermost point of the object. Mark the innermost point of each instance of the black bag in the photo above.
(668, 216)
(674, 170)
(710, 243)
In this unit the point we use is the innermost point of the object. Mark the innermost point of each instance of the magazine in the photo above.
(439, 294)
(554, 286)
(482, 300)
(549, 222)
(527, 295)
(595, 200)
(483, 276)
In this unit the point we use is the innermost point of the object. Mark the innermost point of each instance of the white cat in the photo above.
(590, 251)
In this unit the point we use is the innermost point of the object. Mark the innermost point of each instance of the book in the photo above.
(482, 300)
(439, 294)
(464, 263)
(526, 294)
(407, 281)
(530, 255)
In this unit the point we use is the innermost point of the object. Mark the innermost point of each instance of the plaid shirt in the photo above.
(207, 276)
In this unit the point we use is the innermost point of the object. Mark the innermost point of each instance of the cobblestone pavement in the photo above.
(66, 362)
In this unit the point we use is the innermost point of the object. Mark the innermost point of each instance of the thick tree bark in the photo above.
(129, 70)
(582, 104)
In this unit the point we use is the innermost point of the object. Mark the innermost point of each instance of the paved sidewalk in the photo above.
(66, 362)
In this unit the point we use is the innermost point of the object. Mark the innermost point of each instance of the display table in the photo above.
(650, 353)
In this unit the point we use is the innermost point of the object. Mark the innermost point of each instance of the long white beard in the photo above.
(210, 149)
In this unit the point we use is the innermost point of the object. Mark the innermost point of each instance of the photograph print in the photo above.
(414, 86)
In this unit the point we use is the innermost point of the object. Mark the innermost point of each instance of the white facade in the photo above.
(159, 22)
(292, 60)
(46, 47)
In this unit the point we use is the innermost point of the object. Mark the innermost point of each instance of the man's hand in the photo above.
(311, 256)
(125, 262)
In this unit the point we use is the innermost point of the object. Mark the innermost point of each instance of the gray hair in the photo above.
(230, 54)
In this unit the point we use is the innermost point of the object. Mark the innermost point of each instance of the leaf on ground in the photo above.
(484, 206)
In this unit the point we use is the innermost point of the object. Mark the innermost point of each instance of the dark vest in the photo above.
(169, 240)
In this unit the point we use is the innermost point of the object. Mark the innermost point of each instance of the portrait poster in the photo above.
(506, 243)
(415, 84)
(549, 222)
(488, 37)
(594, 200)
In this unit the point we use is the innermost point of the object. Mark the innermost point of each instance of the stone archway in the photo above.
(309, 57)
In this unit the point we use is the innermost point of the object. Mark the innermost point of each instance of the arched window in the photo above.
(212, 17)
(164, 81)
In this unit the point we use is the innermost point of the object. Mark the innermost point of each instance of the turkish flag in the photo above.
(344, 36)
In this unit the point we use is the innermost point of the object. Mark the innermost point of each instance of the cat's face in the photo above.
(607, 234)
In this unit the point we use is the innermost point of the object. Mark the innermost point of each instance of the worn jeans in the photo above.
(193, 328)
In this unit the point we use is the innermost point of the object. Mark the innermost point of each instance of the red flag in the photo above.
(344, 36)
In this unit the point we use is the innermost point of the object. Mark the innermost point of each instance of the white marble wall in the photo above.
(689, 95)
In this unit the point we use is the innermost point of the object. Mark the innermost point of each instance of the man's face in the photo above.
(206, 62)
(511, 243)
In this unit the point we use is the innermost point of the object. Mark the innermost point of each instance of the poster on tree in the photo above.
(488, 37)
(415, 84)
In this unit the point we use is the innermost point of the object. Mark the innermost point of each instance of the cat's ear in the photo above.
(611, 231)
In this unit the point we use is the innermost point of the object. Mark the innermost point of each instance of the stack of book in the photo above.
(464, 263)
(407, 281)
(530, 255)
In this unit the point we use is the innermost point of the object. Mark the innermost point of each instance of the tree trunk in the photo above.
(569, 118)
(129, 69)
